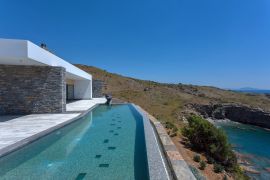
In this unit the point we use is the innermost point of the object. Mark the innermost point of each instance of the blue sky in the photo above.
(224, 43)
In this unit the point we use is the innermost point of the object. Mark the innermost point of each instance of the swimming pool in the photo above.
(107, 143)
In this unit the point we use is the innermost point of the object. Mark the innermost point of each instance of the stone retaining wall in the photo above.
(32, 89)
(97, 88)
(178, 165)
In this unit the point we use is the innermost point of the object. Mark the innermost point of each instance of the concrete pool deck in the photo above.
(84, 105)
(16, 131)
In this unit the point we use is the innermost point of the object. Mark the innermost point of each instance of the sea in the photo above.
(252, 144)
(255, 91)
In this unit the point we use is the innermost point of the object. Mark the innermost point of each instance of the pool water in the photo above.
(107, 143)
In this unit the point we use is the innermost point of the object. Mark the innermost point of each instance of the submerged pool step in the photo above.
(111, 148)
(104, 165)
(98, 156)
(80, 176)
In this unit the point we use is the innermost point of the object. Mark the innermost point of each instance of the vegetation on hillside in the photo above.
(205, 137)
(169, 102)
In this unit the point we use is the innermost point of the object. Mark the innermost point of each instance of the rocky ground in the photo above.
(235, 112)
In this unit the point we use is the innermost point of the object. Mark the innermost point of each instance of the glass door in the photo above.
(70, 91)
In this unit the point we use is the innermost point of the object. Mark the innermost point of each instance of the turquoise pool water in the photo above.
(253, 143)
(107, 143)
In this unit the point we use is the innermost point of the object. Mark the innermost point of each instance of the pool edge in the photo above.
(20, 144)
(157, 163)
(178, 167)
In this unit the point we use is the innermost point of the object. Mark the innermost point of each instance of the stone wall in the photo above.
(97, 88)
(32, 89)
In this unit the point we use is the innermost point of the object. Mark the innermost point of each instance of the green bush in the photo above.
(197, 158)
(202, 165)
(205, 137)
(210, 160)
(218, 168)
(171, 126)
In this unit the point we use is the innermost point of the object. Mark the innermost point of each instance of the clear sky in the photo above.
(224, 43)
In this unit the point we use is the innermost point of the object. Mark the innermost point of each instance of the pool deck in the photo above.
(16, 131)
(84, 105)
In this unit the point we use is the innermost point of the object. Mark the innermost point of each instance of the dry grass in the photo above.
(167, 102)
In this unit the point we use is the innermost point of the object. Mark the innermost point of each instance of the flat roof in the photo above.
(24, 52)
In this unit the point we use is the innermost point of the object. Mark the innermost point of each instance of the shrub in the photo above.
(171, 126)
(202, 165)
(197, 158)
(210, 160)
(218, 168)
(204, 136)
(175, 129)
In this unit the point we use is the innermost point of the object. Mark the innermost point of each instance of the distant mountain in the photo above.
(253, 90)
(248, 89)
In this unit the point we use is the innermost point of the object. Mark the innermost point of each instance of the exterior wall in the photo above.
(98, 88)
(32, 89)
(83, 89)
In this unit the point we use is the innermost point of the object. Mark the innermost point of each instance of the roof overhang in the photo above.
(23, 52)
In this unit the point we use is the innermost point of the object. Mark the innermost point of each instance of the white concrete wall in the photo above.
(83, 89)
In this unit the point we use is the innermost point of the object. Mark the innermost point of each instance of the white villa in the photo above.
(33, 80)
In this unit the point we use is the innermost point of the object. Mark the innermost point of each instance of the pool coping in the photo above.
(177, 165)
(20, 144)
(157, 164)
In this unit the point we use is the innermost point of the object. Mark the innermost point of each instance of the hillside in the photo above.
(170, 102)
